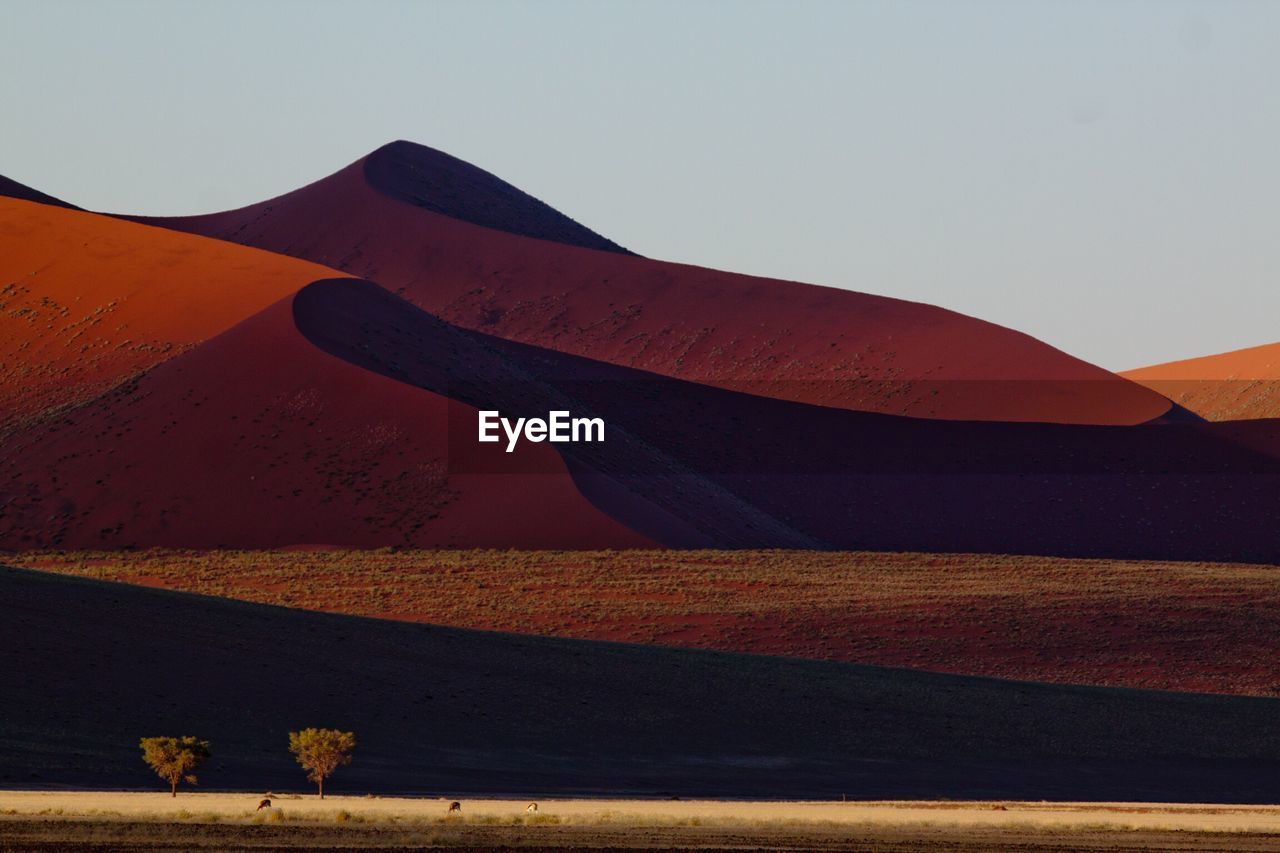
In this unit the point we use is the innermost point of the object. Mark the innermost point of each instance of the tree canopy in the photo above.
(173, 758)
(321, 752)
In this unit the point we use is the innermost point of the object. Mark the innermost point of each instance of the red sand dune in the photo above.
(256, 439)
(741, 470)
(325, 418)
(1237, 385)
(469, 248)
(89, 300)
(252, 438)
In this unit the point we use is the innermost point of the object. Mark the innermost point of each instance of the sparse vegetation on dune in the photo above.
(1205, 627)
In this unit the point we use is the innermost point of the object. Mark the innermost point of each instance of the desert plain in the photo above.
(42, 820)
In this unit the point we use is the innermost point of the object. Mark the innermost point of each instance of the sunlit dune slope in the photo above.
(156, 391)
(1242, 384)
(462, 245)
(90, 667)
(257, 438)
(87, 301)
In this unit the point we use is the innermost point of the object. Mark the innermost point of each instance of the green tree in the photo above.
(173, 758)
(321, 751)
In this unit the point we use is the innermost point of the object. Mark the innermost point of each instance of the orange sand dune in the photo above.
(471, 249)
(89, 300)
(257, 438)
(1236, 385)
(141, 407)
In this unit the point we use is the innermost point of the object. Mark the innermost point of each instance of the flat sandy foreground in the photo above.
(44, 820)
(191, 805)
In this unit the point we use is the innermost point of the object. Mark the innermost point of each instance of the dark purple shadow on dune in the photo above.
(441, 183)
(722, 468)
(12, 189)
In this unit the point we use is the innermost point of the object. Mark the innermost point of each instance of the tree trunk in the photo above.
(173, 788)
(320, 782)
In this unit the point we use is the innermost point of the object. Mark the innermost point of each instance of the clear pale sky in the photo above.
(1102, 175)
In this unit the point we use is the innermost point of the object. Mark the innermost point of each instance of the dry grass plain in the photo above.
(150, 821)
(1204, 627)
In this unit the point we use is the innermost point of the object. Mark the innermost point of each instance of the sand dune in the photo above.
(139, 409)
(90, 301)
(257, 438)
(196, 393)
(1242, 384)
(412, 219)
(739, 470)
(326, 419)
(10, 188)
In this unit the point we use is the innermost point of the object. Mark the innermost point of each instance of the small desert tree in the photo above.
(173, 758)
(321, 751)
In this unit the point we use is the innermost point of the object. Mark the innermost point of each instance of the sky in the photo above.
(1101, 175)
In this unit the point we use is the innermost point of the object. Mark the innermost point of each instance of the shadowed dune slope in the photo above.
(450, 711)
(87, 301)
(438, 182)
(739, 470)
(10, 188)
(460, 244)
(1237, 385)
(258, 439)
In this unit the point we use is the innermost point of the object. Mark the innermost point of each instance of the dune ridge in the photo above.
(397, 217)
(10, 188)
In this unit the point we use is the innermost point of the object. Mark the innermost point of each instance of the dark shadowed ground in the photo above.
(89, 667)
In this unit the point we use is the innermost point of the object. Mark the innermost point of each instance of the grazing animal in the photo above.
(265, 804)
(455, 806)
(532, 807)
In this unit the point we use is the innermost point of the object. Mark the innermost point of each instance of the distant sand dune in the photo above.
(1242, 384)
